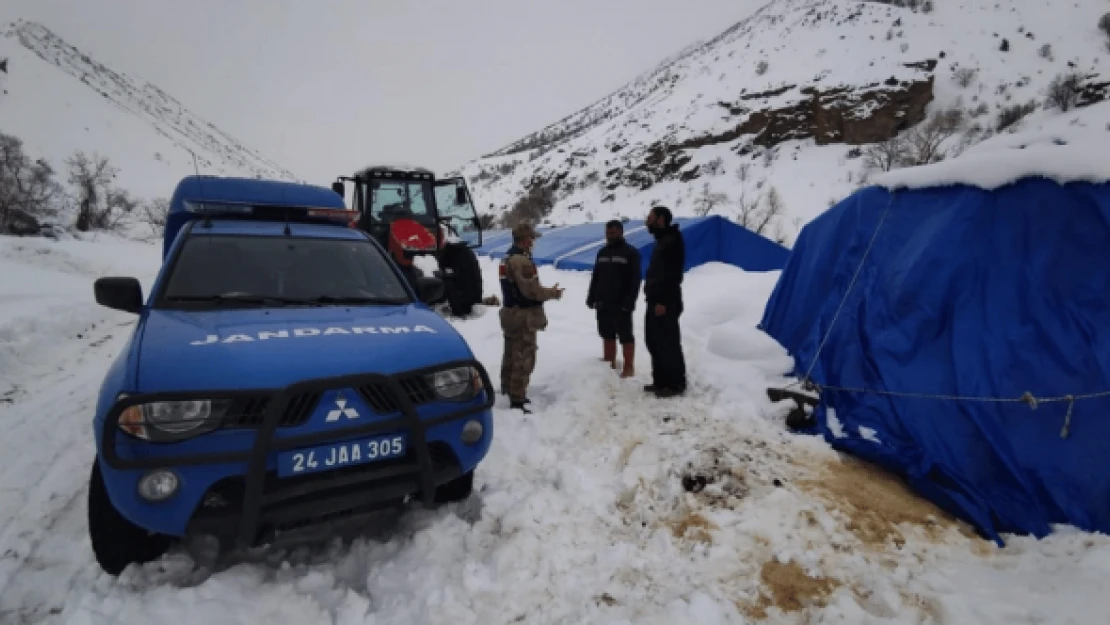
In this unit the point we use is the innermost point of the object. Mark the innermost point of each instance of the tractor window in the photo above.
(400, 200)
(460, 218)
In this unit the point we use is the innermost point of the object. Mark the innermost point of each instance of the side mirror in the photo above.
(429, 289)
(124, 294)
(460, 194)
(339, 188)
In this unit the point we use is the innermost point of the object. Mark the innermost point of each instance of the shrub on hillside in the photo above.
(1011, 115)
(965, 75)
(532, 207)
(1063, 91)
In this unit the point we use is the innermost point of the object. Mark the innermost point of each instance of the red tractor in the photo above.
(413, 214)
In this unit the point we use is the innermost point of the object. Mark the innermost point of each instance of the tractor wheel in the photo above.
(117, 542)
(463, 277)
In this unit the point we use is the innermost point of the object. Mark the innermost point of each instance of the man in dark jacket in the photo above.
(663, 292)
(614, 287)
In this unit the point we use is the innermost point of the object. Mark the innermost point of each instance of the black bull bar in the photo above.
(255, 496)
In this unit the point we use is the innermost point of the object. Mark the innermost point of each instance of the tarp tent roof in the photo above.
(934, 300)
(707, 239)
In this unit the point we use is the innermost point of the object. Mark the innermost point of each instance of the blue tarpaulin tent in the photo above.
(928, 313)
(708, 239)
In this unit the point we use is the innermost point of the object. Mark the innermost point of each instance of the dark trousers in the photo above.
(614, 323)
(664, 342)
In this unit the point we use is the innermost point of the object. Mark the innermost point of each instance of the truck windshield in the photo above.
(224, 270)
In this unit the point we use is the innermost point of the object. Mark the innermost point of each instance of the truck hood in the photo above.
(269, 348)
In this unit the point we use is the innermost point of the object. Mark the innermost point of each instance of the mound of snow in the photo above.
(1075, 152)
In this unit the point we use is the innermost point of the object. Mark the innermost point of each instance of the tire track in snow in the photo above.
(43, 547)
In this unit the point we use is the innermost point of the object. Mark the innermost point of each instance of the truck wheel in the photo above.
(117, 542)
(457, 489)
(464, 280)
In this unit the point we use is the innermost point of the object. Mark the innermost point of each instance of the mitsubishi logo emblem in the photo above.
(341, 408)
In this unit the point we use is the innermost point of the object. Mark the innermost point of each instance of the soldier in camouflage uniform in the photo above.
(522, 315)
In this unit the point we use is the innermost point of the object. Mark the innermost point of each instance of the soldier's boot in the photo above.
(629, 352)
(521, 405)
(610, 353)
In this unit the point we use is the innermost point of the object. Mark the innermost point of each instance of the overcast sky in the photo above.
(325, 86)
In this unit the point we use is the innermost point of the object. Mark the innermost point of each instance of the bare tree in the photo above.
(706, 202)
(773, 208)
(887, 155)
(759, 215)
(926, 141)
(28, 188)
(154, 213)
(91, 177)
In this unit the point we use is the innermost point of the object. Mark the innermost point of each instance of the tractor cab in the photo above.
(426, 211)
(411, 213)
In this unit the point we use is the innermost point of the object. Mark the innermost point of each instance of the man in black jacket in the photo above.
(614, 287)
(663, 292)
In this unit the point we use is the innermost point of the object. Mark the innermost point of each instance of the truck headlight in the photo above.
(459, 383)
(169, 421)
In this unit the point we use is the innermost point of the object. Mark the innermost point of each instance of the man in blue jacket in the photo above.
(614, 287)
(663, 292)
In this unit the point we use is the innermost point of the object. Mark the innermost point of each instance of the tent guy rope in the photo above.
(1027, 397)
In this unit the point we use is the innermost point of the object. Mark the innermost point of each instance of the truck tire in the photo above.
(463, 278)
(457, 489)
(117, 542)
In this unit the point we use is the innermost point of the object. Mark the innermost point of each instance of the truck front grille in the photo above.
(248, 412)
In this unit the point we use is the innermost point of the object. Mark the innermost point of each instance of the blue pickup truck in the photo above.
(282, 374)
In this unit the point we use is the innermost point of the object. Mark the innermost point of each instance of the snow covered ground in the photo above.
(604, 506)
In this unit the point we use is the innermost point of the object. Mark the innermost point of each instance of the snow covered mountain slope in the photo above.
(790, 99)
(59, 100)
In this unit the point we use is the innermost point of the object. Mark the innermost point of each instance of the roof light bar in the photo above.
(294, 214)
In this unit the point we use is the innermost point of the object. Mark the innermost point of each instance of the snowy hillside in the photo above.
(792, 99)
(59, 100)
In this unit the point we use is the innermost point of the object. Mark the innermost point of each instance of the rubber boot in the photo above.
(611, 353)
(629, 351)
